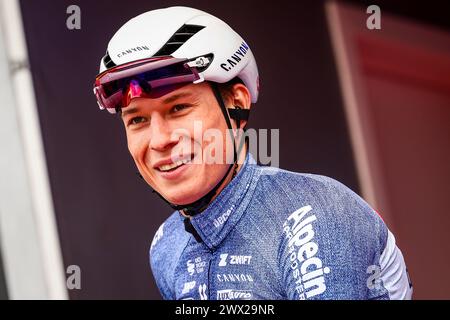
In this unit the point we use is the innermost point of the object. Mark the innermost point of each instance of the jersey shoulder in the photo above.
(332, 202)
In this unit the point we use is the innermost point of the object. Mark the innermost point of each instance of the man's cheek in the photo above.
(132, 149)
(137, 152)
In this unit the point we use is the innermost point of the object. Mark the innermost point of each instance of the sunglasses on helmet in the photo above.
(152, 77)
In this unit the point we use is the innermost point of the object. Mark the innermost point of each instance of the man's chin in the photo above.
(182, 198)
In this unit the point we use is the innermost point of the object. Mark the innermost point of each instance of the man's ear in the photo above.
(241, 98)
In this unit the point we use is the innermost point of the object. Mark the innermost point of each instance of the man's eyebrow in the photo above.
(128, 111)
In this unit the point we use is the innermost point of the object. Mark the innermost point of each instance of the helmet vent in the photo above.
(178, 39)
(107, 61)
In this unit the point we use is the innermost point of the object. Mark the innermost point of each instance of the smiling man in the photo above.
(183, 83)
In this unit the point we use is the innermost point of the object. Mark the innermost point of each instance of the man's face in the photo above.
(161, 140)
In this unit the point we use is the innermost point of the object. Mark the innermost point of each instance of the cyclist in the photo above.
(239, 230)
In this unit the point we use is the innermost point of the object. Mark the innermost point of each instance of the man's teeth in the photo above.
(171, 166)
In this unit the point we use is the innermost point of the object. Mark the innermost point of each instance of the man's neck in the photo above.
(231, 174)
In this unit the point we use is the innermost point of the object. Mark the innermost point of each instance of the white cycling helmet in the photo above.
(185, 33)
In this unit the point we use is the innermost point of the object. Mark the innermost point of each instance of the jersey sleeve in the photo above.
(157, 263)
(335, 246)
(393, 275)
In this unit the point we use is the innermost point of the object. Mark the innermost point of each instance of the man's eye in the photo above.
(179, 107)
(136, 120)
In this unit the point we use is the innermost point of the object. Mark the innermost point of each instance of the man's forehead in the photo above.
(181, 93)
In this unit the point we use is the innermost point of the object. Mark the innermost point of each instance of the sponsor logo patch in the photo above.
(131, 50)
(188, 286)
(226, 259)
(195, 266)
(234, 277)
(307, 268)
(230, 294)
(202, 292)
(236, 58)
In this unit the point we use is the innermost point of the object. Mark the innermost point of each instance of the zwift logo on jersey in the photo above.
(307, 269)
(230, 294)
(233, 259)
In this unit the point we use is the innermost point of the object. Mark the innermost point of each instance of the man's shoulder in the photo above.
(169, 237)
(295, 186)
(169, 231)
(286, 177)
(167, 245)
(287, 195)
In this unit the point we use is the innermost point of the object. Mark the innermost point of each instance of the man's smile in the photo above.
(172, 168)
(173, 162)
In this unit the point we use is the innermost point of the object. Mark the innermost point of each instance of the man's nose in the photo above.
(161, 134)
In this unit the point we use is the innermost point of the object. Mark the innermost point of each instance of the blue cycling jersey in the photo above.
(274, 234)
